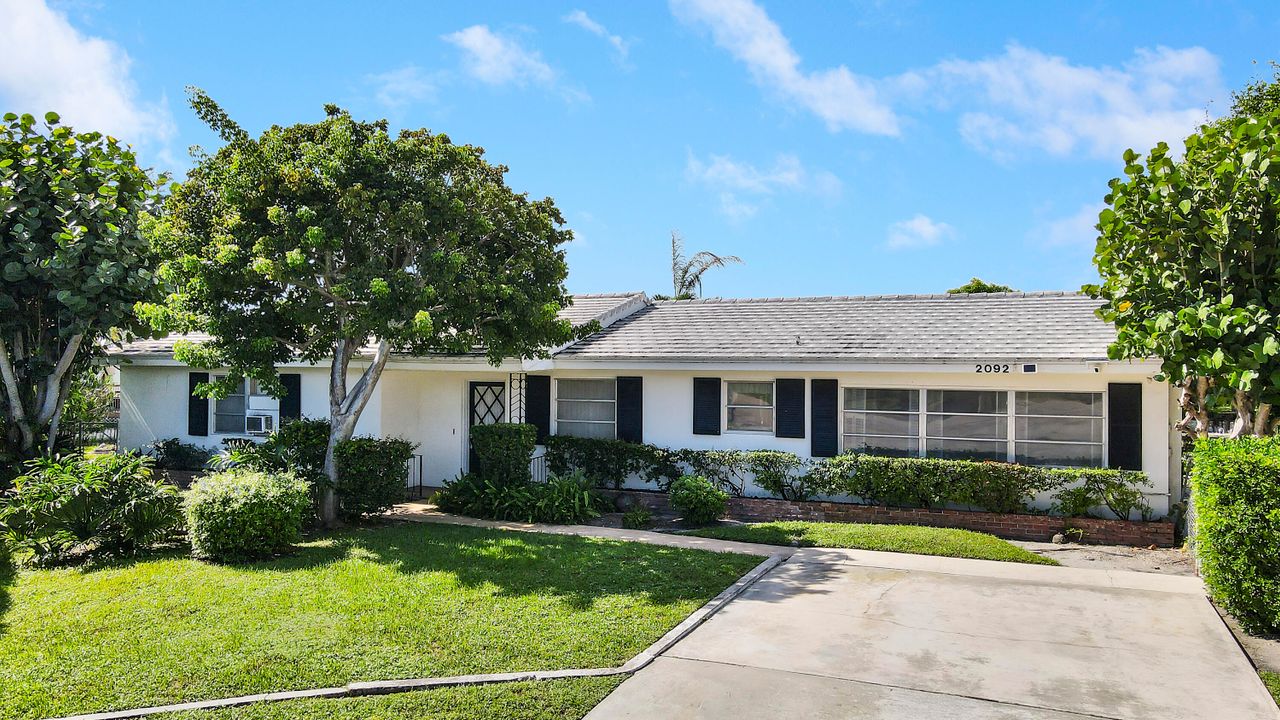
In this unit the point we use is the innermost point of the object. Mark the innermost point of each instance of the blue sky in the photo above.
(839, 148)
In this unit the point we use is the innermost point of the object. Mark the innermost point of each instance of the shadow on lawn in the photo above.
(8, 573)
(579, 570)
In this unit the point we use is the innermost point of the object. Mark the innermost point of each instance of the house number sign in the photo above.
(991, 367)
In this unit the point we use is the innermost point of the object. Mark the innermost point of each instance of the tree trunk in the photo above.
(344, 411)
(1243, 405)
(1262, 424)
(49, 398)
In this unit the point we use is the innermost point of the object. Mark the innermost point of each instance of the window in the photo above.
(749, 406)
(228, 412)
(882, 422)
(967, 424)
(1059, 428)
(587, 408)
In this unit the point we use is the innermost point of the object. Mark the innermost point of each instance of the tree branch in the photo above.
(53, 383)
(17, 413)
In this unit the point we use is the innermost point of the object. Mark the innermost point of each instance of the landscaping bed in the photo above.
(889, 538)
(398, 601)
(1013, 526)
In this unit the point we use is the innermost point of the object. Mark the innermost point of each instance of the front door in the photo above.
(488, 405)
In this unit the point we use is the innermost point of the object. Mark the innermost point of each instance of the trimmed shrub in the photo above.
(608, 463)
(1235, 488)
(245, 514)
(173, 454)
(503, 451)
(781, 473)
(565, 498)
(698, 500)
(297, 447)
(77, 506)
(726, 469)
(372, 474)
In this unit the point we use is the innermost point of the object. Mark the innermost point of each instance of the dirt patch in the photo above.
(1165, 561)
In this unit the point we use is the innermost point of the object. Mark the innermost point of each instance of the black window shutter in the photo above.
(537, 410)
(824, 420)
(789, 407)
(706, 406)
(197, 407)
(631, 409)
(1124, 426)
(291, 403)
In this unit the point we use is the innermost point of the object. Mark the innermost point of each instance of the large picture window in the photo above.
(749, 406)
(882, 422)
(587, 407)
(1059, 428)
(968, 424)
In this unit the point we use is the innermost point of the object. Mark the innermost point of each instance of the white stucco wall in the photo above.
(153, 404)
(668, 407)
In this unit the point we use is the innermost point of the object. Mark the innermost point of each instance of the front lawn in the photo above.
(547, 700)
(405, 600)
(892, 538)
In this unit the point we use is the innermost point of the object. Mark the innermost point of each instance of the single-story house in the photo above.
(1006, 376)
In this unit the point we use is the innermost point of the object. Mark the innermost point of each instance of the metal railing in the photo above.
(415, 483)
(538, 467)
(88, 434)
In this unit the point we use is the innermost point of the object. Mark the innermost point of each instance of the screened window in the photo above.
(749, 406)
(967, 424)
(228, 412)
(587, 408)
(1059, 428)
(882, 422)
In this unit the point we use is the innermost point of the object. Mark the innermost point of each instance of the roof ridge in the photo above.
(901, 296)
(607, 295)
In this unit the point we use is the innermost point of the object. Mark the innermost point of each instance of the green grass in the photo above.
(891, 538)
(1272, 681)
(548, 700)
(405, 600)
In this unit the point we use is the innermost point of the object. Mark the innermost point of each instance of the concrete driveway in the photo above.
(857, 634)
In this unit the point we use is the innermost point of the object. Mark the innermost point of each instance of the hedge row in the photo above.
(1235, 488)
(869, 479)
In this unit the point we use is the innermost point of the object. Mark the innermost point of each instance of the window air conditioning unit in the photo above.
(258, 424)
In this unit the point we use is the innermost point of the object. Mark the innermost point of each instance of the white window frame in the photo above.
(1013, 422)
(773, 406)
(1011, 415)
(555, 400)
(246, 387)
(925, 413)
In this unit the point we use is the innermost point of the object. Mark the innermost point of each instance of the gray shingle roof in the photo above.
(888, 328)
(585, 308)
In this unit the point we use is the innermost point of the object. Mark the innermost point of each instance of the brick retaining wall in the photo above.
(1006, 525)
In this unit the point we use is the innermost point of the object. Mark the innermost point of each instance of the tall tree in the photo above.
(977, 285)
(687, 272)
(1189, 253)
(73, 261)
(336, 243)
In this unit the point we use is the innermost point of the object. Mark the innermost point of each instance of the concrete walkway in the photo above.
(858, 634)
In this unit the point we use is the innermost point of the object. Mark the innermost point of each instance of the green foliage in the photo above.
(76, 506)
(73, 261)
(781, 473)
(637, 518)
(1260, 97)
(609, 462)
(976, 285)
(242, 514)
(699, 501)
(1189, 253)
(1117, 490)
(1235, 488)
(568, 498)
(173, 454)
(503, 451)
(91, 397)
(372, 474)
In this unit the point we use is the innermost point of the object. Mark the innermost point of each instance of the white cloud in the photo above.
(398, 88)
(585, 21)
(499, 60)
(1075, 230)
(49, 65)
(733, 179)
(1025, 101)
(918, 232)
(841, 98)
